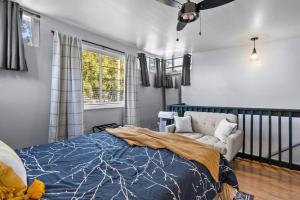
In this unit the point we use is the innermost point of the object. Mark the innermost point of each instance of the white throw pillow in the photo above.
(183, 124)
(224, 129)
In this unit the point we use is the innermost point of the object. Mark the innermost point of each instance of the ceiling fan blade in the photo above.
(208, 4)
(172, 3)
(181, 25)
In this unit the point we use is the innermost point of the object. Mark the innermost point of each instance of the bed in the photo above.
(102, 166)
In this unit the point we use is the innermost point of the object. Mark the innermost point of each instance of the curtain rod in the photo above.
(173, 58)
(31, 12)
(26, 10)
(162, 58)
(106, 47)
(152, 57)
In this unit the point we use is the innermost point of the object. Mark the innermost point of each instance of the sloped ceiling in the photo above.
(150, 25)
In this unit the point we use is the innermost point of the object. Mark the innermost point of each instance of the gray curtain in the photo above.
(157, 80)
(168, 82)
(163, 72)
(131, 83)
(186, 70)
(66, 104)
(159, 77)
(177, 82)
(144, 70)
(12, 56)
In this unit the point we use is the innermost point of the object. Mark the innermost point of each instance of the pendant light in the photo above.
(254, 55)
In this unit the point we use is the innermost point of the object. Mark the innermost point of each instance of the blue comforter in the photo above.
(101, 166)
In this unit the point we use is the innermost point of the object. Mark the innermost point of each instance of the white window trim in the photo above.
(109, 105)
(103, 106)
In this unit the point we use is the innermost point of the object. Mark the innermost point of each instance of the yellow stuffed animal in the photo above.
(13, 178)
(36, 190)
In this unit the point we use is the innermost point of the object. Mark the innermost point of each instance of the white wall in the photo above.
(228, 78)
(24, 97)
(149, 104)
(172, 96)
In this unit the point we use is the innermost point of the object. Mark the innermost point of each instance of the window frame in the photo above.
(102, 51)
(173, 68)
(176, 68)
(151, 63)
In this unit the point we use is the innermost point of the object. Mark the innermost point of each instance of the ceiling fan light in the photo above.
(190, 16)
(254, 55)
(185, 16)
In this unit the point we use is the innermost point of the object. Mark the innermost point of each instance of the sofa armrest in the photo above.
(234, 143)
(171, 128)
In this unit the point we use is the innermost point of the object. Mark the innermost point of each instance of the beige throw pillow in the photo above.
(224, 129)
(183, 124)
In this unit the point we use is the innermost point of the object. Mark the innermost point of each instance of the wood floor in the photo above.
(267, 182)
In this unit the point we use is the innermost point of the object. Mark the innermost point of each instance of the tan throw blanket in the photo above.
(182, 146)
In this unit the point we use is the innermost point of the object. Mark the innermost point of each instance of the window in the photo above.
(178, 61)
(169, 63)
(151, 64)
(103, 77)
(174, 65)
(30, 29)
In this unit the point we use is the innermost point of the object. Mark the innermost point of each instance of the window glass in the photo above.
(169, 63)
(174, 65)
(103, 77)
(178, 61)
(151, 64)
(30, 29)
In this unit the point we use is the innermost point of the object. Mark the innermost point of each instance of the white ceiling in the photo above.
(150, 25)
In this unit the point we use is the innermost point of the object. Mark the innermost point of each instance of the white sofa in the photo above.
(204, 125)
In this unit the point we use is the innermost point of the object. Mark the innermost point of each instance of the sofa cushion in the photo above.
(191, 135)
(206, 122)
(213, 142)
(207, 139)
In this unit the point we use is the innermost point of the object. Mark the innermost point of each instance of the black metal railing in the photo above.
(250, 130)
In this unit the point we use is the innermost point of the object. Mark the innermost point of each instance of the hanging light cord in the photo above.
(200, 33)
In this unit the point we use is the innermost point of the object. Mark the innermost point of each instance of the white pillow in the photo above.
(183, 124)
(224, 129)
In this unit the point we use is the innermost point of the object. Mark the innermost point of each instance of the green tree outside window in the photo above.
(105, 87)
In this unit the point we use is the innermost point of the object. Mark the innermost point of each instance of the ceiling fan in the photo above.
(189, 11)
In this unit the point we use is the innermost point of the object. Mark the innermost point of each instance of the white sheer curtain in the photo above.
(131, 84)
(66, 107)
